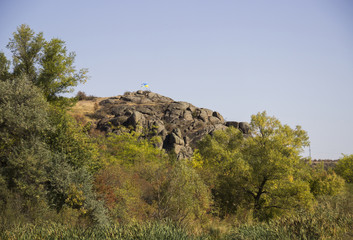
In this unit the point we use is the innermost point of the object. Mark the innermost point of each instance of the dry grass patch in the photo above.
(86, 108)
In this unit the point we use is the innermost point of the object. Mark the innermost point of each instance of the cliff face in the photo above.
(179, 124)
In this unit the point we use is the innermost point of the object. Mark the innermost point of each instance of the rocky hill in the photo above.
(179, 124)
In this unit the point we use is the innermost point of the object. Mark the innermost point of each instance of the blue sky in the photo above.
(293, 59)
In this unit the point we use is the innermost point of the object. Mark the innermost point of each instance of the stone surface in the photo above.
(232, 124)
(180, 125)
(244, 127)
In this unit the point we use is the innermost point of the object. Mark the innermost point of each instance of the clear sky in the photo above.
(293, 59)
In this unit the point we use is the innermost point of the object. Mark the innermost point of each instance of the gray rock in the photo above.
(145, 110)
(106, 102)
(104, 125)
(187, 115)
(177, 132)
(118, 110)
(218, 115)
(159, 98)
(128, 112)
(136, 119)
(218, 127)
(157, 127)
(214, 120)
(201, 114)
(144, 101)
(208, 111)
(232, 124)
(134, 99)
(180, 125)
(151, 95)
(244, 127)
(117, 121)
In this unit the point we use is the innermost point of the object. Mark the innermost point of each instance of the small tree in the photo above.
(183, 197)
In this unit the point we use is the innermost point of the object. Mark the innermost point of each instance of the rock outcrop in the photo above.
(179, 124)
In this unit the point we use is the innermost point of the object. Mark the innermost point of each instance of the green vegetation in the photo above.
(344, 168)
(263, 171)
(61, 180)
(45, 63)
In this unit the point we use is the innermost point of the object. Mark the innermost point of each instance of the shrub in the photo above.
(82, 96)
(344, 168)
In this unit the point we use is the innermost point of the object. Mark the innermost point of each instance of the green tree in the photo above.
(44, 157)
(23, 114)
(23, 154)
(4, 67)
(46, 63)
(344, 168)
(57, 73)
(26, 49)
(264, 170)
(274, 180)
(219, 161)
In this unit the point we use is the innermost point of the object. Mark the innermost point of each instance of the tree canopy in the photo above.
(263, 170)
(47, 64)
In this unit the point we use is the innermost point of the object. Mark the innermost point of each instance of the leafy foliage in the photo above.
(344, 168)
(324, 182)
(23, 113)
(140, 183)
(26, 50)
(183, 197)
(72, 140)
(23, 120)
(46, 63)
(4, 67)
(263, 171)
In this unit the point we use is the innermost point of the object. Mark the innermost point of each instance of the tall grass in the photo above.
(321, 224)
(330, 220)
(53, 231)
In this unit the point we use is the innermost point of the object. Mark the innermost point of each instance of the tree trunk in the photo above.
(257, 198)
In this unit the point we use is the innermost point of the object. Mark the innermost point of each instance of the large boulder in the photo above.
(180, 125)
(136, 119)
(244, 127)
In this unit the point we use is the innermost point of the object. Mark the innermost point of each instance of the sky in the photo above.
(292, 59)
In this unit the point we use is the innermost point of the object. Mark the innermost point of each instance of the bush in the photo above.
(82, 96)
(344, 168)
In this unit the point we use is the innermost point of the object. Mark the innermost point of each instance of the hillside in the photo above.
(178, 124)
